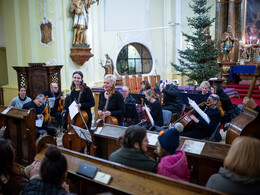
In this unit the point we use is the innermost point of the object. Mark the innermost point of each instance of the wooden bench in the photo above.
(202, 166)
(125, 180)
(21, 130)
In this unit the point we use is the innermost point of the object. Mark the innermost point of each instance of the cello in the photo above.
(246, 123)
(71, 140)
(108, 119)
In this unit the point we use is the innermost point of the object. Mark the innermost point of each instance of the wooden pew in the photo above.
(202, 166)
(125, 180)
(21, 130)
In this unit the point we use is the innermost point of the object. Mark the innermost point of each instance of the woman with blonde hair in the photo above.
(241, 172)
(204, 93)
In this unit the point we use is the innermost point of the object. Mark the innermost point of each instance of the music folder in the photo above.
(87, 170)
(130, 111)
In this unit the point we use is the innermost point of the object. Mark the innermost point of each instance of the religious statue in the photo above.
(109, 66)
(79, 10)
(227, 42)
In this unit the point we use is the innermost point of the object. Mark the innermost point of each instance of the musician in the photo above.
(128, 99)
(21, 99)
(230, 110)
(251, 104)
(172, 99)
(201, 128)
(37, 104)
(204, 93)
(145, 85)
(55, 95)
(154, 108)
(116, 101)
(86, 101)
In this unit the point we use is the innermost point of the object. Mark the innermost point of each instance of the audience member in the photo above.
(201, 129)
(12, 180)
(204, 93)
(173, 162)
(241, 172)
(145, 85)
(172, 100)
(53, 172)
(21, 99)
(134, 144)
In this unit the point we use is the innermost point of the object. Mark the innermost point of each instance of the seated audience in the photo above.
(227, 109)
(204, 93)
(12, 180)
(134, 144)
(128, 99)
(241, 172)
(37, 104)
(154, 108)
(251, 104)
(201, 129)
(21, 99)
(173, 162)
(145, 85)
(53, 172)
(172, 100)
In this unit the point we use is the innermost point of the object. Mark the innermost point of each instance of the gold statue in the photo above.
(109, 66)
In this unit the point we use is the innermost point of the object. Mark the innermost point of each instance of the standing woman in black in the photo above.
(116, 104)
(86, 101)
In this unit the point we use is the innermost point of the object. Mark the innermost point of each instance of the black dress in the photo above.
(116, 105)
(87, 101)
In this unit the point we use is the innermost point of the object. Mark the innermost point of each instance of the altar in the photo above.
(242, 69)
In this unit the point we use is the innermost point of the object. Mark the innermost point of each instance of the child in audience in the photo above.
(134, 144)
(241, 172)
(173, 162)
(52, 171)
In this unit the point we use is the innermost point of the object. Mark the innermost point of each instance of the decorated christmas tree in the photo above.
(199, 60)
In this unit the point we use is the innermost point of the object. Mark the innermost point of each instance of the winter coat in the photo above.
(233, 183)
(175, 166)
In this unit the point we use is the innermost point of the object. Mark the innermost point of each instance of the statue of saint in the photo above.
(79, 10)
(109, 66)
(227, 43)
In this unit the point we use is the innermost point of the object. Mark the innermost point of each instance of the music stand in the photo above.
(130, 111)
(138, 98)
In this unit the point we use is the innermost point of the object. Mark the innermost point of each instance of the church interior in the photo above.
(129, 96)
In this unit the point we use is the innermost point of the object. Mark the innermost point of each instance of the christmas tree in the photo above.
(199, 60)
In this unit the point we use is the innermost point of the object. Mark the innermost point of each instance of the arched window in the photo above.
(134, 58)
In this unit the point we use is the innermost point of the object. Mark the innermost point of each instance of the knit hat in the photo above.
(169, 140)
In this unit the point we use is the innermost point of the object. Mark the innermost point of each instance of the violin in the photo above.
(47, 112)
(108, 119)
(61, 103)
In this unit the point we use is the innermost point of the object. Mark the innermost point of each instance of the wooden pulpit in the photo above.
(37, 77)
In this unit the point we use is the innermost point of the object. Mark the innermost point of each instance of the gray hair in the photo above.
(40, 96)
(112, 77)
(125, 87)
(205, 83)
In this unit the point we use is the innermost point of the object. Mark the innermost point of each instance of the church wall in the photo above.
(21, 23)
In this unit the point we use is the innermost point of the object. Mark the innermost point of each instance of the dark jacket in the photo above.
(116, 105)
(232, 183)
(224, 98)
(172, 99)
(202, 129)
(156, 112)
(38, 187)
(31, 104)
(130, 100)
(133, 158)
(203, 97)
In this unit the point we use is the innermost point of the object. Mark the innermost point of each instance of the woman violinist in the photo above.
(86, 100)
(115, 106)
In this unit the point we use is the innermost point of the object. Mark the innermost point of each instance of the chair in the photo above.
(176, 116)
(139, 80)
(127, 81)
(215, 136)
(166, 117)
(132, 85)
(152, 81)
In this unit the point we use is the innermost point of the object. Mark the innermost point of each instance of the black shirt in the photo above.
(156, 112)
(31, 104)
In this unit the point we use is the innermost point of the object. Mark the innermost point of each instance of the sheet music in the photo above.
(7, 110)
(199, 111)
(73, 109)
(51, 101)
(99, 129)
(192, 146)
(152, 138)
(39, 122)
(82, 133)
(149, 114)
